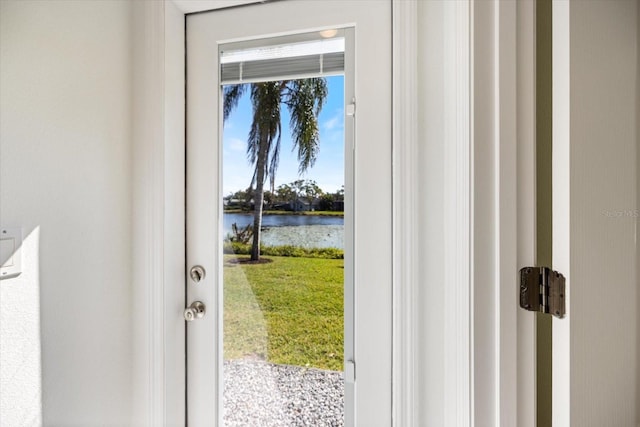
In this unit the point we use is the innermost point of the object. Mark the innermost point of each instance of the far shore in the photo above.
(307, 213)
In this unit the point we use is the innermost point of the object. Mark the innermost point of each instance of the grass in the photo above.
(288, 311)
(285, 250)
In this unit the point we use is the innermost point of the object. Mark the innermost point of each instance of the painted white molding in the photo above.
(148, 212)
(484, 226)
(561, 202)
(158, 215)
(506, 212)
(525, 332)
(503, 110)
(174, 219)
(405, 210)
(458, 209)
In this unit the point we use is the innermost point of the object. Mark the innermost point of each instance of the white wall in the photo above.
(595, 173)
(65, 168)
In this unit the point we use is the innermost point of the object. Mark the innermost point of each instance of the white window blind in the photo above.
(313, 58)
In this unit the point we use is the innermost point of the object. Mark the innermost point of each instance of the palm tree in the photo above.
(304, 100)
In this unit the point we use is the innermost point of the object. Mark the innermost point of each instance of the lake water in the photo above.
(309, 231)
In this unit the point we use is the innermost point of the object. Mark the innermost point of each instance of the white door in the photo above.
(596, 116)
(367, 179)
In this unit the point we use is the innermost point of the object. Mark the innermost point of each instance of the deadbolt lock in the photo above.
(197, 273)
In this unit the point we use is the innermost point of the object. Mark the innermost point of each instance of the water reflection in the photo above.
(309, 231)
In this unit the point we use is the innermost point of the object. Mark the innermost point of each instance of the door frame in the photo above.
(468, 123)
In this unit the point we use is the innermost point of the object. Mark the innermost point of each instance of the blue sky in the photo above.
(328, 171)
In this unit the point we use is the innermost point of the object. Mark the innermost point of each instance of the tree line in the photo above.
(299, 195)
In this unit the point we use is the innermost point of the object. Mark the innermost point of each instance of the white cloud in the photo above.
(335, 122)
(236, 144)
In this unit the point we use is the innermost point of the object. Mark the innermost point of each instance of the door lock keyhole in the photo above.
(197, 273)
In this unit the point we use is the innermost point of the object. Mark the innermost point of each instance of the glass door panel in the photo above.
(283, 266)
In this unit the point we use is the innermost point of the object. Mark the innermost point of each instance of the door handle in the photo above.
(196, 310)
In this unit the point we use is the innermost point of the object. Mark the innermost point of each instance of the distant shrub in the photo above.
(240, 235)
(230, 247)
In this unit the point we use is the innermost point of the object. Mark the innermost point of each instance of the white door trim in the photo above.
(158, 382)
(471, 211)
(562, 202)
(432, 371)
(503, 211)
(405, 183)
(524, 406)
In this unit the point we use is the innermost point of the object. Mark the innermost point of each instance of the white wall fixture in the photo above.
(20, 338)
(10, 253)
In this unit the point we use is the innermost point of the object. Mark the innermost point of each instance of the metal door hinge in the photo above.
(543, 290)
(351, 108)
(350, 371)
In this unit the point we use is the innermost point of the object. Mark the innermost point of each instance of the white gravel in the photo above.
(261, 394)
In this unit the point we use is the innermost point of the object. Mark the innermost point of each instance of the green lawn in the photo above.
(288, 311)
